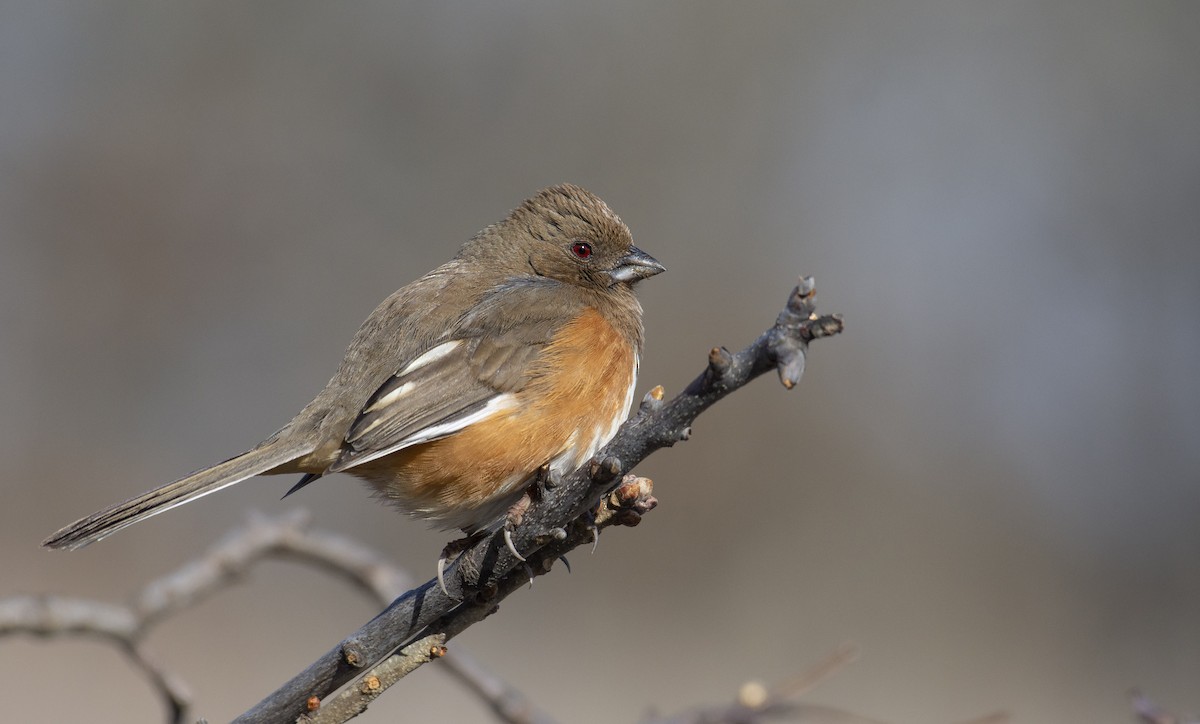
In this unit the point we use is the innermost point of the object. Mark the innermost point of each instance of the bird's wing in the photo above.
(470, 375)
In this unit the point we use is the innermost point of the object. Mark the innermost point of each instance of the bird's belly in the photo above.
(563, 417)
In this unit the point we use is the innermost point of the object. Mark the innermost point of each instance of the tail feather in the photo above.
(188, 488)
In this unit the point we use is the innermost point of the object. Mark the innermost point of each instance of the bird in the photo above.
(517, 358)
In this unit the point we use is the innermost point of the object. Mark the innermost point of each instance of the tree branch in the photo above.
(53, 616)
(354, 699)
(561, 519)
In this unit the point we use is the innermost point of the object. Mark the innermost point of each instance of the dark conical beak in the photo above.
(636, 265)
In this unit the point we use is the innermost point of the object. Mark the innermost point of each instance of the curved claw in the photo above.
(508, 541)
(441, 574)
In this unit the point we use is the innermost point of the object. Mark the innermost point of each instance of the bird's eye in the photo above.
(582, 250)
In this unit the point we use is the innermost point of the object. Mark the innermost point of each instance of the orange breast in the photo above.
(580, 391)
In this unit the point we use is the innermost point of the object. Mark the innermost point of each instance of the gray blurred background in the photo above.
(991, 482)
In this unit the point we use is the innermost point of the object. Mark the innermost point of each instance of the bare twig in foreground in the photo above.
(353, 700)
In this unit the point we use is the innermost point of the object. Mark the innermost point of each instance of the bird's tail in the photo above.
(261, 459)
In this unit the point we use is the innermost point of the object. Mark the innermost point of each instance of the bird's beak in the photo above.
(636, 265)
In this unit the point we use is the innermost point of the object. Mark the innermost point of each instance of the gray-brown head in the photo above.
(569, 234)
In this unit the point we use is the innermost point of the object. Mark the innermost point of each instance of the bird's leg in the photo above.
(516, 514)
(590, 518)
(545, 480)
(454, 549)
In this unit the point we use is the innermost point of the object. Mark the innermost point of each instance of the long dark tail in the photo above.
(99, 525)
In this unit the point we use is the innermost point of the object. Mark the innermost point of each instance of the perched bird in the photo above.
(518, 355)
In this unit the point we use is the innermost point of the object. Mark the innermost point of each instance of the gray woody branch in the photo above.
(560, 520)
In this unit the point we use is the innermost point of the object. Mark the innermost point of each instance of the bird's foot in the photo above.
(546, 479)
(516, 514)
(453, 550)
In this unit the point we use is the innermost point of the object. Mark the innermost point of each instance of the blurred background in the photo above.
(990, 482)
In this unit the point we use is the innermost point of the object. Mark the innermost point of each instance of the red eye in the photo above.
(581, 250)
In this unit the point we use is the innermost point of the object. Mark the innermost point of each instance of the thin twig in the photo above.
(353, 700)
(55, 616)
